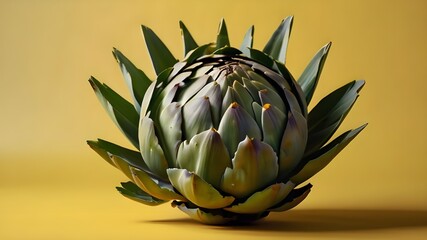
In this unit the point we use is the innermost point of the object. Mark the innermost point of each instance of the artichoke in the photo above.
(225, 133)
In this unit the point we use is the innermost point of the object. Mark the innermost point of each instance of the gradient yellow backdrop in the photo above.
(52, 186)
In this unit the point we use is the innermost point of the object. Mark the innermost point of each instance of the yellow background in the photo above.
(52, 186)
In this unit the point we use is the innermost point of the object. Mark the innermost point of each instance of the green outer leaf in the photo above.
(295, 197)
(120, 110)
(254, 167)
(262, 200)
(197, 190)
(310, 77)
(318, 160)
(188, 40)
(222, 37)
(151, 151)
(147, 98)
(277, 45)
(329, 113)
(135, 79)
(122, 165)
(247, 41)
(105, 149)
(160, 190)
(235, 125)
(133, 192)
(160, 55)
(205, 155)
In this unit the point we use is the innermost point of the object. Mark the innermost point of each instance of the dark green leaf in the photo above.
(315, 162)
(136, 79)
(310, 77)
(133, 192)
(247, 41)
(189, 42)
(222, 37)
(160, 55)
(121, 111)
(227, 51)
(105, 149)
(261, 57)
(328, 114)
(277, 45)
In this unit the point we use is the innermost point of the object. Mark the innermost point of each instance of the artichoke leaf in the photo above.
(133, 192)
(197, 190)
(273, 124)
(135, 79)
(295, 197)
(121, 111)
(205, 155)
(160, 55)
(197, 53)
(188, 40)
(169, 119)
(247, 41)
(212, 91)
(258, 113)
(255, 77)
(122, 165)
(262, 200)
(268, 96)
(151, 151)
(254, 167)
(293, 143)
(277, 46)
(147, 98)
(252, 89)
(261, 57)
(243, 97)
(202, 216)
(295, 87)
(236, 124)
(318, 160)
(196, 116)
(222, 37)
(105, 149)
(310, 77)
(229, 51)
(330, 112)
(161, 190)
(191, 87)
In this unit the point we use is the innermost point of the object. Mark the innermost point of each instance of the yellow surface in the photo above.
(52, 186)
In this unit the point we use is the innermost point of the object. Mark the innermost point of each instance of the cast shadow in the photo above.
(327, 220)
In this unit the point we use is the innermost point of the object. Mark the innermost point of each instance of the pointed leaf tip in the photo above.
(160, 55)
(188, 40)
(222, 37)
(277, 46)
(248, 41)
(310, 77)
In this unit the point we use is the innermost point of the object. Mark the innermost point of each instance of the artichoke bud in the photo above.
(224, 132)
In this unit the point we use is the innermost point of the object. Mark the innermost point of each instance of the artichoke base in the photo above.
(217, 216)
